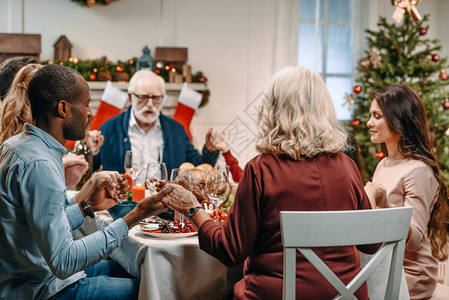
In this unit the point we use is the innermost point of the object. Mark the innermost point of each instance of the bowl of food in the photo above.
(121, 209)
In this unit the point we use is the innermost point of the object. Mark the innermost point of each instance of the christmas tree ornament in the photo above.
(364, 63)
(90, 2)
(445, 103)
(375, 58)
(350, 100)
(443, 75)
(380, 155)
(357, 89)
(435, 57)
(428, 58)
(355, 122)
(426, 74)
(425, 82)
(422, 31)
(408, 6)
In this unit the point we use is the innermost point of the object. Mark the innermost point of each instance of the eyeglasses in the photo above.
(143, 99)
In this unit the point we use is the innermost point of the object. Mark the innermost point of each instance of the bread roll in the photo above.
(205, 167)
(198, 184)
(187, 165)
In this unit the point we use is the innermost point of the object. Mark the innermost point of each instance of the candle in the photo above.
(138, 192)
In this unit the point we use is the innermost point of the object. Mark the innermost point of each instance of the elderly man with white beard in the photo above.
(143, 128)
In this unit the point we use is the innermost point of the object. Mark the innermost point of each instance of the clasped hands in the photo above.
(377, 195)
(104, 190)
(216, 141)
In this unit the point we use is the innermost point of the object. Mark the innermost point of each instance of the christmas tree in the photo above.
(400, 53)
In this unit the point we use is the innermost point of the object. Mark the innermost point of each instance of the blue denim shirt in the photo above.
(38, 256)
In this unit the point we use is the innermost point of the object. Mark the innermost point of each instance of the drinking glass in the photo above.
(217, 189)
(183, 177)
(133, 164)
(155, 172)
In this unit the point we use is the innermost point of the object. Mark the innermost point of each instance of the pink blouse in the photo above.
(412, 183)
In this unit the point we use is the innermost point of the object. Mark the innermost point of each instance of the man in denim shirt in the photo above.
(38, 257)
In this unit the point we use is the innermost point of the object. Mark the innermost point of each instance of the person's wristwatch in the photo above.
(87, 209)
(192, 211)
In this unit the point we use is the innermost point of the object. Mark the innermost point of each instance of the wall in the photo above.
(233, 42)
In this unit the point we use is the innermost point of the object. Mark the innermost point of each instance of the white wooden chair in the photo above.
(302, 230)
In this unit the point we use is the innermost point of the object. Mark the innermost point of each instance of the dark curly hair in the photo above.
(406, 116)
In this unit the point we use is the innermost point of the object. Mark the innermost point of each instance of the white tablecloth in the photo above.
(169, 268)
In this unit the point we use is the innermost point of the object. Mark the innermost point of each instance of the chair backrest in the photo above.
(303, 230)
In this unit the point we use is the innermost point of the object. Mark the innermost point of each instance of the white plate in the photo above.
(149, 226)
(169, 235)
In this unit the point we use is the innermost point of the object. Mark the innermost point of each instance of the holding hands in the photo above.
(145, 208)
(74, 168)
(104, 190)
(377, 195)
(179, 198)
(216, 141)
(95, 140)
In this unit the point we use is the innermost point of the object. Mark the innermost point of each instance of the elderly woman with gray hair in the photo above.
(300, 168)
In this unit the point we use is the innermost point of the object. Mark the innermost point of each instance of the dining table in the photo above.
(168, 268)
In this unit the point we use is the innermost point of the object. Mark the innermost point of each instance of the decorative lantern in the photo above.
(145, 61)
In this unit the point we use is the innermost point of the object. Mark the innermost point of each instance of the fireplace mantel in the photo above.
(172, 90)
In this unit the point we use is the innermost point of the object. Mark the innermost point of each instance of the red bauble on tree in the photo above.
(443, 75)
(445, 103)
(357, 89)
(422, 31)
(380, 155)
(435, 57)
(355, 122)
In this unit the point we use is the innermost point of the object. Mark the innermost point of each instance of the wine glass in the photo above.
(183, 177)
(217, 189)
(155, 172)
(133, 164)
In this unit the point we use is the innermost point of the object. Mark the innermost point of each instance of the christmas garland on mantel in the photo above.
(105, 70)
(93, 2)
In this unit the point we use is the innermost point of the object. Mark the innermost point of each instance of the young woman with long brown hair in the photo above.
(411, 176)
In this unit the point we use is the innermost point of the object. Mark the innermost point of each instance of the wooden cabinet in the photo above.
(172, 90)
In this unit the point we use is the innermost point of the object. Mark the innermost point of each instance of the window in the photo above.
(325, 44)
